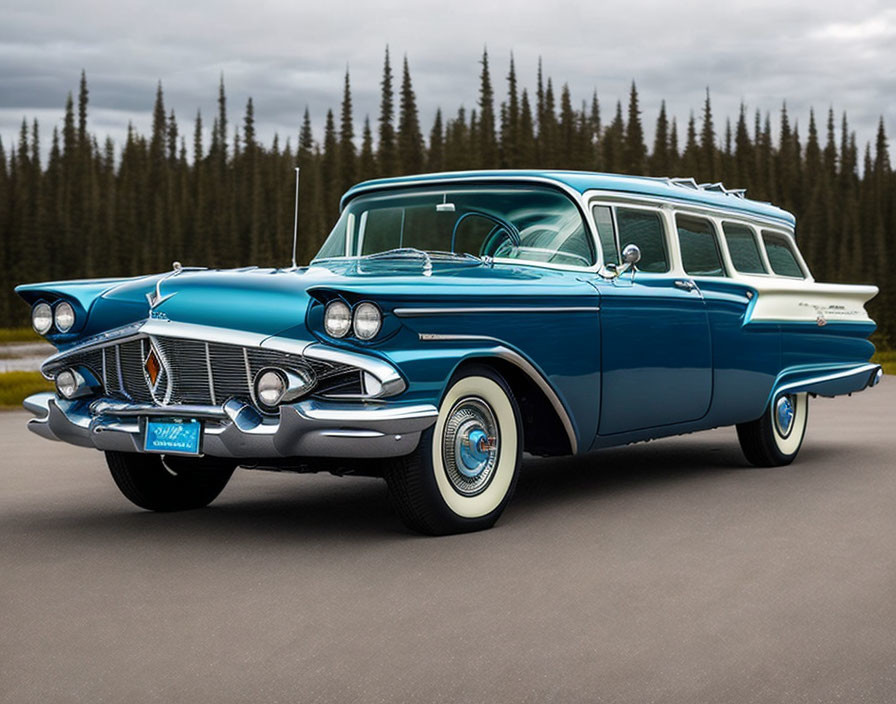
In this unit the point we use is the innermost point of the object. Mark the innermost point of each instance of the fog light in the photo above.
(270, 385)
(67, 383)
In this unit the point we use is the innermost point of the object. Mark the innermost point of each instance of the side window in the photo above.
(780, 255)
(644, 228)
(699, 249)
(743, 249)
(603, 218)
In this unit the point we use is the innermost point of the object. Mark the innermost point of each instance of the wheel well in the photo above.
(543, 431)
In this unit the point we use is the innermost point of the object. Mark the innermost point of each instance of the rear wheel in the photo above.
(774, 439)
(167, 484)
(464, 471)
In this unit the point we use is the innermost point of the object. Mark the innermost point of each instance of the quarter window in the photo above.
(743, 249)
(603, 218)
(780, 255)
(644, 228)
(699, 249)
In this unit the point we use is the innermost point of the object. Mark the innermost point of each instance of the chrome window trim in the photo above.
(574, 195)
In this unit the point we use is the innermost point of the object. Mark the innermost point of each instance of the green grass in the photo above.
(19, 335)
(15, 386)
(887, 359)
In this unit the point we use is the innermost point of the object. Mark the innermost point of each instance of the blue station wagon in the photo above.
(449, 323)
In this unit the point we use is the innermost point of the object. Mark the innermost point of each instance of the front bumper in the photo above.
(235, 430)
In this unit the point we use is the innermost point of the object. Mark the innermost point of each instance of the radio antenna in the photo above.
(295, 224)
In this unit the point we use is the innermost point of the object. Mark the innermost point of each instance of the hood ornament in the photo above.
(155, 298)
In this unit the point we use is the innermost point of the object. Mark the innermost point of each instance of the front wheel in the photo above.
(167, 484)
(774, 439)
(464, 471)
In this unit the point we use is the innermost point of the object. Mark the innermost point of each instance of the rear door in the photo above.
(656, 348)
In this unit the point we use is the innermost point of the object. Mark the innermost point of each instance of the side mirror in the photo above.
(631, 255)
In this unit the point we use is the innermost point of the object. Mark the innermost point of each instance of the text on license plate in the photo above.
(181, 436)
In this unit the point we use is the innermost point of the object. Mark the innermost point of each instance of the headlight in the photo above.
(368, 321)
(337, 319)
(270, 386)
(42, 318)
(65, 316)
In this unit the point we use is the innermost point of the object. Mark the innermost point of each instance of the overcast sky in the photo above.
(287, 54)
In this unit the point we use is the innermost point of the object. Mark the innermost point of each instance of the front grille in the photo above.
(203, 373)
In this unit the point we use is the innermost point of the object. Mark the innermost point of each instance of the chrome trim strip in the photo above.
(419, 312)
(351, 434)
(855, 371)
(518, 360)
(391, 380)
(211, 379)
(120, 408)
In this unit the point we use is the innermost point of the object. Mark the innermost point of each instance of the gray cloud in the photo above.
(287, 55)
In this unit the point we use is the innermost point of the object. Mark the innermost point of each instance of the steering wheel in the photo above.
(501, 225)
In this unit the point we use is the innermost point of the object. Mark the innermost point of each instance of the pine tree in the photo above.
(707, 157)
(488, 146)
(659, 160)
(635, 152)
(435, 156)
(527, 147)
(366, 160)
(348, 160)
(387, 154)
(410, 141)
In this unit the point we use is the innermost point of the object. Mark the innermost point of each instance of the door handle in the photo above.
(686, 285)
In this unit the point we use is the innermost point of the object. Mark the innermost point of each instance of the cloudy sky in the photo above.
(287, 54)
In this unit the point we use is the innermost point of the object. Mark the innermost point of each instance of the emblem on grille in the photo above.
(155, 371)
(153, 367)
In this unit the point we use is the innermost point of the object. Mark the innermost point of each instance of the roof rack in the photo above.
(715, 187)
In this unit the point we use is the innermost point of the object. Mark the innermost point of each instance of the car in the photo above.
(449, 323)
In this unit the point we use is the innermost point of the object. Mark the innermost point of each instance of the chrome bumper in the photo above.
(235, 430)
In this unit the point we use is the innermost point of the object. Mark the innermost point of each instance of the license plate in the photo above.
(173, 436)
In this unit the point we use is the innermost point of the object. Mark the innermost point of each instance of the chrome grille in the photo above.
(202, 373)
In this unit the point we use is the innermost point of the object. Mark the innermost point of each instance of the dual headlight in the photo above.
(365, 321)
(43, 317)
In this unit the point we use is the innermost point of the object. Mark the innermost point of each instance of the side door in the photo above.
(656, 348)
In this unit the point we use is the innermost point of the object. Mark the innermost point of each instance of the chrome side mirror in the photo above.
(631, 255)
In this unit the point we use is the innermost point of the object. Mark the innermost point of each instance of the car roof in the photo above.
(681, 190)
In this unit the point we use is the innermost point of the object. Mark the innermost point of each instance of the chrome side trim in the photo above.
(523, 364)
(420, 312)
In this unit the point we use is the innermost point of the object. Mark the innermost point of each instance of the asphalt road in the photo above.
(662, 572)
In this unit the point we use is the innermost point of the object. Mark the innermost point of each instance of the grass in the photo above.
(19, 335)
(15, 386)
(887, 359)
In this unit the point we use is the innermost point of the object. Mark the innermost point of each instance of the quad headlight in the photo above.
(337, 319)
(42, 318)
(367, 321)
(64, 316)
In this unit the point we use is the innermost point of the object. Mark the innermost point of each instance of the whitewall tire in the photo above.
(775, 438)
(465, 468)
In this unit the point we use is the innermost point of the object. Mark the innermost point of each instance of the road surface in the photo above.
(662, 572)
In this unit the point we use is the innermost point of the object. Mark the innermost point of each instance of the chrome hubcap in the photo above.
(470, 446)
(784, 415)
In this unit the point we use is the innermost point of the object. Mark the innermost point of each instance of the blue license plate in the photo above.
(173, 436)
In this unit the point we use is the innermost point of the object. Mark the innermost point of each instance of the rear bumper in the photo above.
(235, 430)
(834, 381)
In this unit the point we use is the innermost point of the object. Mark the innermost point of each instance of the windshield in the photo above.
(528, 223)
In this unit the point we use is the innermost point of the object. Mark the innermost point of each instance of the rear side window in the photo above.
(780, 255)
(699, 249)
(743, 249)
(644, 229)
(603, 218)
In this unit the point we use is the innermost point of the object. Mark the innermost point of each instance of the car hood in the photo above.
(269, 301)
